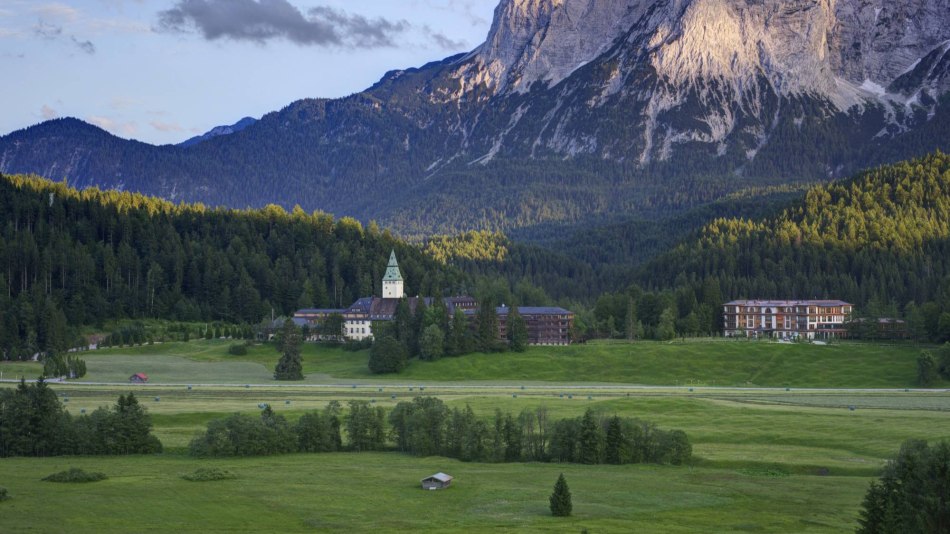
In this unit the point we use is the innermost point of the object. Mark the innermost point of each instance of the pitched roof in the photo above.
(392, 270)
(441, 477)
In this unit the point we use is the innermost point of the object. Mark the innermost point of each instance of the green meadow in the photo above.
(784, 459)
(682, 363)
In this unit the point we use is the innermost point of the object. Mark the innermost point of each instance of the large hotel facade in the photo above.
(786, 319)
(546, 326)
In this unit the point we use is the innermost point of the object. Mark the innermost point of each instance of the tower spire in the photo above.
(392, 280)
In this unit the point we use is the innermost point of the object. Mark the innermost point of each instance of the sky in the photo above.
(162, 71)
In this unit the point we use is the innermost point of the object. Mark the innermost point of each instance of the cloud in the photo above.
(465, 8)
(443, 41)
(124, 102)
(57, 11)
(85, 46)
(127, 129)
(47, 30)
(48, 112)
(261, 21)
(166, 126)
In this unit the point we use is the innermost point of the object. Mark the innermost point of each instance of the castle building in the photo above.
(546, 326)
(786, 319)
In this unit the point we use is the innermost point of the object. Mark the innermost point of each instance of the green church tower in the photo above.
(392, 280)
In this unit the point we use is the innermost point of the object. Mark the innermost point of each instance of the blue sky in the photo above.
(161, 71)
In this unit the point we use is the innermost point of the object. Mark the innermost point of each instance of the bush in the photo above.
(926, 369)
(352, 345)
(75, 474)
(238, 349)
(387, 356)
(209, 474)
(3, 494)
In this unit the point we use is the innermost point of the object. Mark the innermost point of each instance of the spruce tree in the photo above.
(290, 366)
(616, 446)
(591, 442)
(517, 331)
(561, 505)
(487, 326)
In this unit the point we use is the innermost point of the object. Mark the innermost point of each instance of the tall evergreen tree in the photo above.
(615, 448)
(486, 326)
(591, 440)
(290, 365)
(560, 500)
(460, 338)
(517, 331)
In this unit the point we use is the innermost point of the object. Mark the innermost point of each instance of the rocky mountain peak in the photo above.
(545, 40)
(841, 50)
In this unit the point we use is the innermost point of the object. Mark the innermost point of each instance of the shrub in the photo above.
(3, 494)
(352, 345)
(75, 474)
(238, 349)
(209, 474)
(926, 369)
(387, 356)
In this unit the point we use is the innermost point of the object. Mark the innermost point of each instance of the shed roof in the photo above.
(441, 477)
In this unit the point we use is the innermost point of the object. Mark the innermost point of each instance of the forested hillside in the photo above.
(71, 258)
(880, 240)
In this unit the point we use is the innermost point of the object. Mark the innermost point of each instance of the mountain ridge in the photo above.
(631, 107)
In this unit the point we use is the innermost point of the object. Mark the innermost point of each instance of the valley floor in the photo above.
(776, 460)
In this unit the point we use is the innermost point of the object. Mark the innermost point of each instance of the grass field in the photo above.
(380, 492)
(779, 460)
(685, 363)
(766, 462)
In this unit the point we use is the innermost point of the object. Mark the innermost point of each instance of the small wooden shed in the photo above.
(437, 481)
(138, 378)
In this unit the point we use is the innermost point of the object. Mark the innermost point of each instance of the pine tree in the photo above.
(615, 448)
(591, 441)
(290, 366)
(561, 505)
(517, 331)
(460, 338)
(487, 326)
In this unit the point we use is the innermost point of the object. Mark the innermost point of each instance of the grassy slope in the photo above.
(700, 362)
(769, 462)
(380, 492)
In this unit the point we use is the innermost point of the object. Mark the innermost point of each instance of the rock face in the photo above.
(727, 64)
(800, 45)
(571, 109)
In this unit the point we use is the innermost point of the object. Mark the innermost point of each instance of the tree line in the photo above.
(70, 258)
(33, 422)
(425, 426)
(429, 333)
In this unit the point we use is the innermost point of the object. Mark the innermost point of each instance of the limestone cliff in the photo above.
(729, 65)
